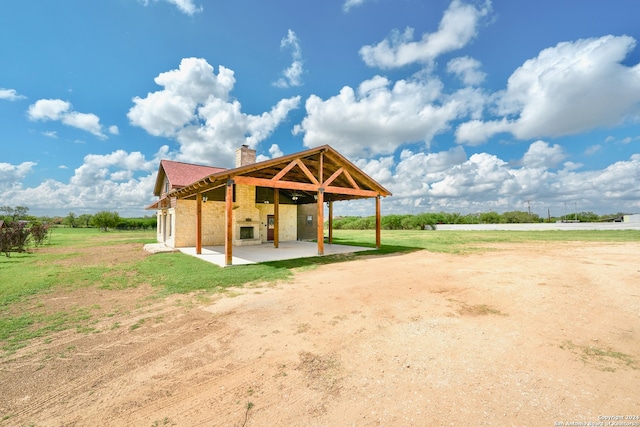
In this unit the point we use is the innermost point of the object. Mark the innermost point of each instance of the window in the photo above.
(309, 220)
(166, 186)
(169, 224)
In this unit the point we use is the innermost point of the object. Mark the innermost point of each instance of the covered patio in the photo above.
(243, 255)
(315, 176)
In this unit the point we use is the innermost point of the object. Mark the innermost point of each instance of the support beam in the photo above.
(284, 171)
(228, 231)
(320, 215)
(331, 222)
(269, 183)
(352, 181)
(290, 185)
(199, 223)
(378, 222)
(307, 172)
(276, 217)
(350, 191)
(333, 177)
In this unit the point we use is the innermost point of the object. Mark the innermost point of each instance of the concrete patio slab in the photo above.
(243, 255)
(157, 248)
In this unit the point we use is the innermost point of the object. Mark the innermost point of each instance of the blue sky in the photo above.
(459, 106)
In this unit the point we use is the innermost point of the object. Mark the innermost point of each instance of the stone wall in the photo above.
(288, 222)
(212, 224)
(183, 231)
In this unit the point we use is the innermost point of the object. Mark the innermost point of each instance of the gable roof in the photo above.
(181, 174)
(308, 171)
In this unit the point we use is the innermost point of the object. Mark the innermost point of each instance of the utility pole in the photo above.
(529, 204)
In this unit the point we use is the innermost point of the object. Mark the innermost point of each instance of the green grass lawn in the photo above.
(465, 241)
(62, 265)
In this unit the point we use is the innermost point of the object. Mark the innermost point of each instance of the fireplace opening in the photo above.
(246, 233)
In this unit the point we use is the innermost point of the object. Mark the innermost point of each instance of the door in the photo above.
(271, 225)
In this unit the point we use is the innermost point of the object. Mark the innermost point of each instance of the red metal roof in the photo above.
(182, 174)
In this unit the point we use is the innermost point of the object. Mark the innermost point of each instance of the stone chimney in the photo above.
(245, 156)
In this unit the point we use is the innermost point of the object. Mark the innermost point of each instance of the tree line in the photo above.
(430, 220)
(104, 220)
(18, 229)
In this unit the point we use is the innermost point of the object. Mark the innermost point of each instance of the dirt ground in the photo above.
(525, 335)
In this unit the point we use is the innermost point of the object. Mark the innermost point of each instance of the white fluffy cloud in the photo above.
(567, 89)
(196, 109)
(467, 69)
(118, 181)
(458, 27)
(185, 6)
(450, 181)
(59, 110)
(380, 116)
(274, 151)
(12, 175)
(10, 94)
(98, 167)
(292, 76)
(541, 154)
(348, 4)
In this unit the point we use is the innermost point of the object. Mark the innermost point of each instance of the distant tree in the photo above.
(84, 220)
(15, 214)
(366, 223)
(588, 217)
(105, 220)
(452, 218)
(70, 220)
(490, 218)
(471, 218)
(393, 222)
(421, 221)
(519, 217)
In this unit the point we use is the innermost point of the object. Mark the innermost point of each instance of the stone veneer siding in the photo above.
(213, 219)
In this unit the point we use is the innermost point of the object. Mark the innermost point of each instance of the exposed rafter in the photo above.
(303, 171)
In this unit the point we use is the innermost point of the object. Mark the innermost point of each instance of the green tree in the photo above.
(70, 220)
(588, 217)
(490, 218)
(452, 218)
(393, 222)
(84, 220)
(105, 220)
(519, 217)
(423, 221)
(15, 214)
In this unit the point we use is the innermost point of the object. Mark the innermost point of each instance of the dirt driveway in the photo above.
(526, 335)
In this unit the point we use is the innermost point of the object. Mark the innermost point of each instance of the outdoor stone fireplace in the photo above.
(247, 233)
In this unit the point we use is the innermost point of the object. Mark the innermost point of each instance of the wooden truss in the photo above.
(321, 173)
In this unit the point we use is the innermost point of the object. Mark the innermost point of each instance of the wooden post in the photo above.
(276, 217)
(330, 222)
(378, 222)
(228, 232)
(199, 223)
(320, 215)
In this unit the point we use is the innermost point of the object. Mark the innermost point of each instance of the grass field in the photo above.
(465, 241)
(85, 258)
